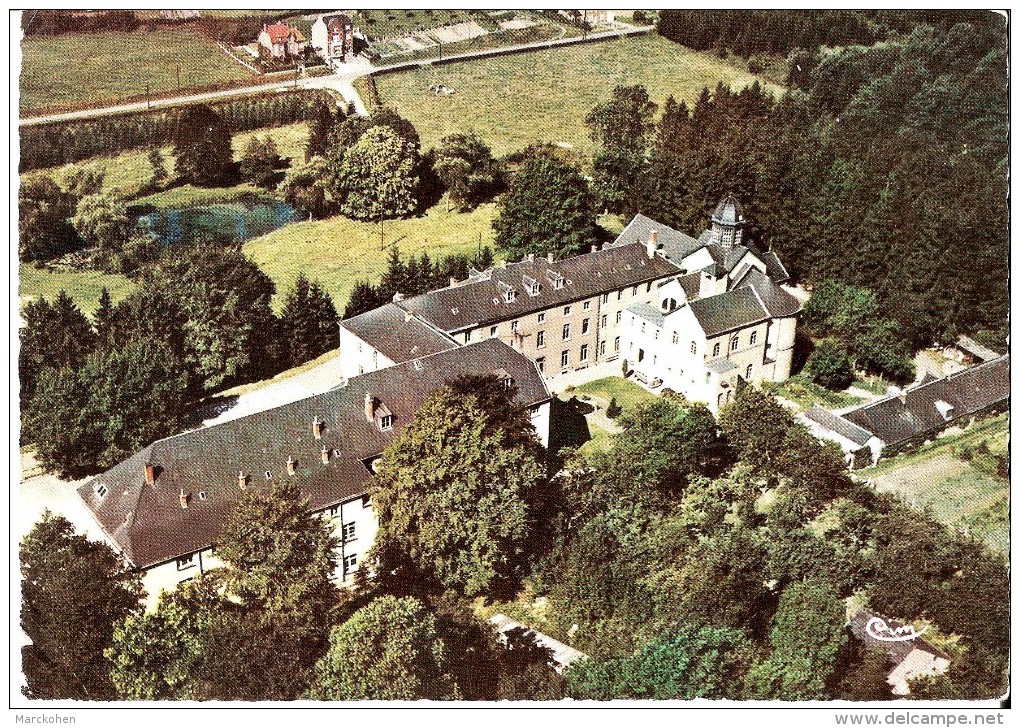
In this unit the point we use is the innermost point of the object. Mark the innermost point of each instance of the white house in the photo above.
(333, 37)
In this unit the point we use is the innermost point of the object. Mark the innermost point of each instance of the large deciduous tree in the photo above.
(202, 147)
(72, 592)
(43, 209)
(377, 177)
(102, 220)
(55, 335)
(465, 165)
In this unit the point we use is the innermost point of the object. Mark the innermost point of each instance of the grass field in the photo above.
(961, 486)
(384, 23)
(337, 252)
(104, 67)
(512, 101)
(83, 286)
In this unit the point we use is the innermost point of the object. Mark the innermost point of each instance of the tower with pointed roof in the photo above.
(728, 222)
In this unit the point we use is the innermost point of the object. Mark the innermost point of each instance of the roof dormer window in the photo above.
(555, 278)
(532, 286)
(101, 490)
(509, 294)
(386, 422)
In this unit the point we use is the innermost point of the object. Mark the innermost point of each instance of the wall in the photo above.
(166, 577)
(359, 357)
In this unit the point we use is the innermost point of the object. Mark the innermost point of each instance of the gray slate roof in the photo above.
(674, 244)
(396, 335)
(691, 283)
(969, 391)
(977, 350)
(480, 300)
(648, 313)
(148, 523)
(728, 211)
(777, 302)
(837, 424)
(728, 311)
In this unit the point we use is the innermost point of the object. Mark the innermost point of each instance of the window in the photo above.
(467, 337)
(734, 343)
(513, 326)
(566, 310)
(386, 422)
(509, 295)
(350, 562)
(359, 347)
(754, 338)
(101, 490)
(202, 495)
(747, 374)
(566, 331)
(540, 339)
(602, 348)
(186, 562)
(655, 359)
(541, 318)
(375, 359)
(361, 369)
(508, 383)
(619, 295)
(642, 327)
(586, 305)
(694, 347)
(616, 344)
(676, 338)
(656, 337)
(334, 511)
(269, 475)
(348, 531)
(584, 326)
(715, 349)
(605, 320)
(605, 298)
(648, 287)
(492, 332)
(619, 316)
(564, 358)
(541, 364)
(584, 352)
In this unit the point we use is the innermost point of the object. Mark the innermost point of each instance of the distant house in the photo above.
(910, 658)
(282, 41)
(909, 416)
(333, 37)
(561, 656)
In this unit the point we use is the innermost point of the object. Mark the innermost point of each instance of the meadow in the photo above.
(513, 101)
(101, 68)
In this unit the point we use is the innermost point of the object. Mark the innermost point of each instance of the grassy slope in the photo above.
(964, 494)
(512, 101)
(83, 286)
(70, 68)
(337, 252)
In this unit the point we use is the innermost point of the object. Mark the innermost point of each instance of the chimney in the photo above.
(325, 455)
(369, 407)
(242, 479)
(317, 428)
(291, 466)
(150, 474)
(653, 243)
(550, 257)
(531, 257)
(453, 282)
(398, 297)
(594, 247)
(184, 499)
(903, 397)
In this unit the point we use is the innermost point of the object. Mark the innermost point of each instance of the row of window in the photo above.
(633, 292)
(717, 347)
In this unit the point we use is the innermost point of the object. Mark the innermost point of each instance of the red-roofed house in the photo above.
(282, 41)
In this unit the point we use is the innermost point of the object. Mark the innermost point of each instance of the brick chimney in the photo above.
(291, 465)
(550, 257)
(317, 427)
(150, 474)
(184, 499)
(369, 407)
(242, 479)
(653, 243)
(453, 282)
(325, 455)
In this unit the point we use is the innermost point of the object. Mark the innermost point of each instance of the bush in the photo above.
(613, 410)
(829, 365)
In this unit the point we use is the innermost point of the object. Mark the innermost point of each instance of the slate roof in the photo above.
(648, 313)
(479, 300)
(728, 311)
(674, 244)
(728, 211)
(897, 651)
(776, 301)
(969, 391)
(721, 366)
(151, 527)
(975, 349)
(837, 424)
(691, 283)
(563, 655)
(396, 335)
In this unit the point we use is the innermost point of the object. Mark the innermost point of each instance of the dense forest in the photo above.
(882, 167)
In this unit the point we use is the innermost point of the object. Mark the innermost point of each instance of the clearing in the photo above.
(548, 93)
(101, 68)
(83, 286)
(957, 477)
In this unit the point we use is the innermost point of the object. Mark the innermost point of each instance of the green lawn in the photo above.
(512, 101)
(83, 286)
(961, 486)
(101, 68)
(802, 391)
(337, 252)
(627, 394)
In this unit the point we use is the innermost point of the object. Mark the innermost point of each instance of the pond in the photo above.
(228, 222)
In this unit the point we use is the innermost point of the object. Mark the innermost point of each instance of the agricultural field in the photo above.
(84, 286)
(387, 23)
(548, 93)
(337, 252)
(958, 477)
(99, 68)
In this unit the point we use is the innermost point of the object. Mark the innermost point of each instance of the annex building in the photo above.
(691, 314)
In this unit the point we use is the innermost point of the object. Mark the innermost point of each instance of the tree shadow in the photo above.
(209, 408)
(569, 428)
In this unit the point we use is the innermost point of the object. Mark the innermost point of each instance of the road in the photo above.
(342, 82)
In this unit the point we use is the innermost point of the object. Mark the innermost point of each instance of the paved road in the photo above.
(342, 83)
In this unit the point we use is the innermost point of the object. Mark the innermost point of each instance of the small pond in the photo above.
(227, 222)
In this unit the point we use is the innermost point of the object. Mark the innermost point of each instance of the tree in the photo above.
(465, 165)
(626, 120)
(685, 663)
(321, 121)
(306, 188)
(308, 322)
(55, 335)
(453, 495)
(806, 638)
(756, 427)
(82, 182)
(377, 178)
(829, 365)
(388, 650)
(159, 173)
(43, 209)
(72, 592)
(202, 147)
(260, 161)
(102, 220)
(103, 318)
(549, 206)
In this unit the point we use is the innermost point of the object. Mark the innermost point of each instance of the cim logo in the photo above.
(881, 631)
